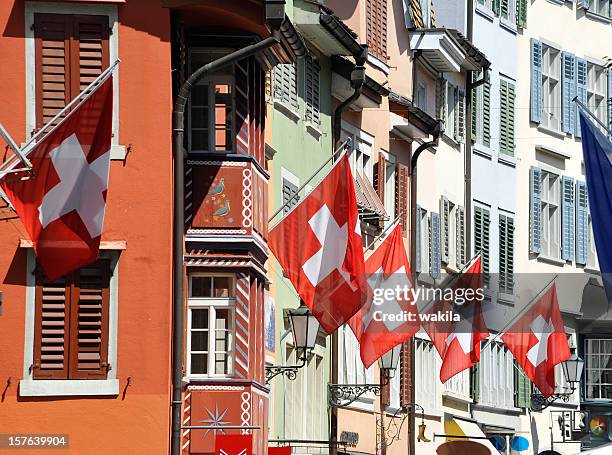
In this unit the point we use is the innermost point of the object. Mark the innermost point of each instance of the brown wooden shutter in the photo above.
(380, 178)
(376, 28)
(51, 329)
(89, 51)
(89, 322)
(406, 373)
(52, 57)
(70, 51)
(401, 195)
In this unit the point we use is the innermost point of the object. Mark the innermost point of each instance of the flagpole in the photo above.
(519, 314)
(78, 100)
(585, 108)
(345, 145)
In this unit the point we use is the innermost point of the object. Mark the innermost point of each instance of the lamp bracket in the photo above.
(342, 395)
(539, 402)
(289, 371)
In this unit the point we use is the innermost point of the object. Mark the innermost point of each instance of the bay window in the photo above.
(598, 368)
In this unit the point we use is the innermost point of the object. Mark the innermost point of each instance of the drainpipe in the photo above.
(178, 119)
(357, 80)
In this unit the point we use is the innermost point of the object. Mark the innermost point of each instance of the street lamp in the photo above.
(572, 371)
(304, 328)
(340, 395)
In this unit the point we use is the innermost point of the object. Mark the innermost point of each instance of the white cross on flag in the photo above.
(538, 341)
(62, 207)
(390, 315)
(318, 245)
(458, 342)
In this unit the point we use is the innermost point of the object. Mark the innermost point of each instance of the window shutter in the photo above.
(51, 329)
(289, 194)
(506, 254)
(460, 116)
(511, 101)
(434, 255)
(567, 218)
(568, 65)
(521, 14)
(285, 85)
(89, 322)
(582, 224)
(610, 90)
(536, 81)
(535, 209)
(418, 246)
(581, 89)
(486, 113)
(441, 89)
(522, 388)
(91, 51)
(311, 88)
(496, 7)
(481, 238)
(503, 117)
(380, 177)
(460, 220)
(376, 28)
(475, 382)
(401, 196)
(445, 228)
(52, 44)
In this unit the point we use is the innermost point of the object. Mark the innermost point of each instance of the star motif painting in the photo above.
(216, 420)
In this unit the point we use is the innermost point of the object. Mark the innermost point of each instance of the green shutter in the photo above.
(496, 7)
(486, 113)
(506, 119)
(522, 388)
(445, 228)
(521, 13)
(511, 100)
(481, 239)
(475, 382)
(506, 254)
(460, 229)
(474, 119)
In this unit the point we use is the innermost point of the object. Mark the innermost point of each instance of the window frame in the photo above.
(546, 203)
(587, 366)
(593, 91)
(496, 380)
(30, 387)
(425, 377)
(212, 304)
(595, 7)
(360, 138)
(118, 152)
(551, 108)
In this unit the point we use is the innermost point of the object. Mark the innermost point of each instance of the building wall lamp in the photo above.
(572, 370)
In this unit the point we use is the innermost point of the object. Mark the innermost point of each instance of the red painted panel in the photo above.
(279, 450)
(234, 444)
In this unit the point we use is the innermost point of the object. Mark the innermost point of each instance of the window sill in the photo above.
(503, 297)
(506, 159)
(314, 131)
(378, 63)
(484, 12)
(554, 152)
(287, 111)
(551, 260)
(597, 17)
(457, 397)
(547, 130)
(590, 268)
(480, 149)
(504, 23)
(70, 387)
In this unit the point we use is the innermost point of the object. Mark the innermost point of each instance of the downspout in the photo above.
(357, 80)
(178, 119)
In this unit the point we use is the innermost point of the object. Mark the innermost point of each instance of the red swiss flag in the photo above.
(458, 342)
(390, 315)
(62, 206)
(538, 341)
(318, 244)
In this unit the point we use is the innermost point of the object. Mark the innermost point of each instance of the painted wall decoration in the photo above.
(235, 444)
(270, 324)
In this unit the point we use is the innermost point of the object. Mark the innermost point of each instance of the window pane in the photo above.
(198, 363)
(199, 95)
(201, 286)
(199, 139)
(199, 318)
(199, 340)
(221, 364)
(223, 287)
(199, 118)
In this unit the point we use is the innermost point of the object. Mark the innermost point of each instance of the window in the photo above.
(422, 240)
(601, 7)
(598, 368)
(481, 112)
(376, 28)
(482, 219)
(289, 194)
(485, 3)
(284, 86)
(551, 88)
(506, 119)
(305, 418)
(63, 70)
(496, 376)
(451, 102)
(459, 384)
(352, 370)
(435, 258)
(596, 90)
(550, 214)
(361, 152)
(425, 373)
(421, 96)
(211, 325)
(312, 72)
(506, 254)
(211, 105)
(452, 233)
(71, 328)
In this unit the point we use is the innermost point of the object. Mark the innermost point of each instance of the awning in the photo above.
(368, 202)
(457, 428)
